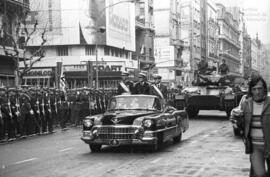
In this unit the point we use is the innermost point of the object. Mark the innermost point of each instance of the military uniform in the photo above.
(3, 116)
(25, 117)
(128, 84)
(12, 118)
(161, 87)
(142, 88)
(63, 110)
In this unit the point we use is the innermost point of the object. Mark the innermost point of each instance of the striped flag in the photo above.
(63, 85)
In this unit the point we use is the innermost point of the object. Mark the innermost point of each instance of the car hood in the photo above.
(124, 117)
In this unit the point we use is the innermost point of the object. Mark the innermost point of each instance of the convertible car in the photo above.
(135, 120)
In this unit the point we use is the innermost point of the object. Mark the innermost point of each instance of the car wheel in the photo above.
(153, 147)
(228, 112)
(156, 146)
(236, 132)
(178, 138)
(192, 112)
(95, 147)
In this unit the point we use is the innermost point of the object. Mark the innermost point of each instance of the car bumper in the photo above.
(89, 138)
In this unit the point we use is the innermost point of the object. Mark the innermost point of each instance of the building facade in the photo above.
(212, 52)
(228, 42)
(256, 55)
(168, 44)
(144, 23)
(102, 32)
(9, 12)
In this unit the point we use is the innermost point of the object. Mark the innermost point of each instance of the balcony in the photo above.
(230, 55)
(140, 22)
(18, 3)
(227, 38)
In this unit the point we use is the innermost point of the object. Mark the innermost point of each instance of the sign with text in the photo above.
(120, 24)
(39, 73)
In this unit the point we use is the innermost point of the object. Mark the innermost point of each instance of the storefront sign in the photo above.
(39, 73)
(105, 68)
(68, 68)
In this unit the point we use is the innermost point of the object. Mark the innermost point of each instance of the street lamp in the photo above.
(102, 30)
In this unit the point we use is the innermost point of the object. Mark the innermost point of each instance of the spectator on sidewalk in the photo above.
(256, 125)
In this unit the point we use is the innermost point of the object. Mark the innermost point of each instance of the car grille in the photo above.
(116, 132)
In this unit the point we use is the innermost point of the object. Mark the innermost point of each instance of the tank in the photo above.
(208, 92)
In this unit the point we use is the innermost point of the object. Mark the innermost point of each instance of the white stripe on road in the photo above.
(195, 141)
(205, 136)
(199, 171)
(156, 160)
(67, 149)
(215, 131)
(23, 161)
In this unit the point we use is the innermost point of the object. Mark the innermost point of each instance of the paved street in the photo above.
(208, 149)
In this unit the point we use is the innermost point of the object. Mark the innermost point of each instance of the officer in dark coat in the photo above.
(142, 87)
(48, 111)
(3, 111)
(125, 85)
(160, 86)
(203, 66)
(25, 119)
(223, 68)
(12, 119)
(63, 109)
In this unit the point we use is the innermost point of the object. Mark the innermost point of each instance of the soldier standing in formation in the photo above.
(3, 116)
(30, 111)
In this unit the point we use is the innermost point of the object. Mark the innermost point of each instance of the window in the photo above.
(89, 50)
(36, 52)
(106, 50)
(62, 51)
(150, 51)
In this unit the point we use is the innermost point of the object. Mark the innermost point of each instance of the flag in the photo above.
(63, 85)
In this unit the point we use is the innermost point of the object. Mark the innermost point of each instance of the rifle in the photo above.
(43, 106)
(9, 108)
(1, 116)
(17, 107)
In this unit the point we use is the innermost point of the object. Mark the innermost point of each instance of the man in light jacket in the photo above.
(256, 126)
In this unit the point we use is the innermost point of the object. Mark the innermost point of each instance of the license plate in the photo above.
(86, 134)
(114, 142)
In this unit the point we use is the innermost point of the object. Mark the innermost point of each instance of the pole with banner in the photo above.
(89, 66)
(58, 73)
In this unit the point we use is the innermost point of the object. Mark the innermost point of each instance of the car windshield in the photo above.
(135, 103)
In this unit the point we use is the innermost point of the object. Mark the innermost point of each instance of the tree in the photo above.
(18, 38)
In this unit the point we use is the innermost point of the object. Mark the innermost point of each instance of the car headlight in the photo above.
(88, 123)
(147, 123)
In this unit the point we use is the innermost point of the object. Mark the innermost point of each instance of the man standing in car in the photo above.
(142, 87)
(125, 85)
(160, 86)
